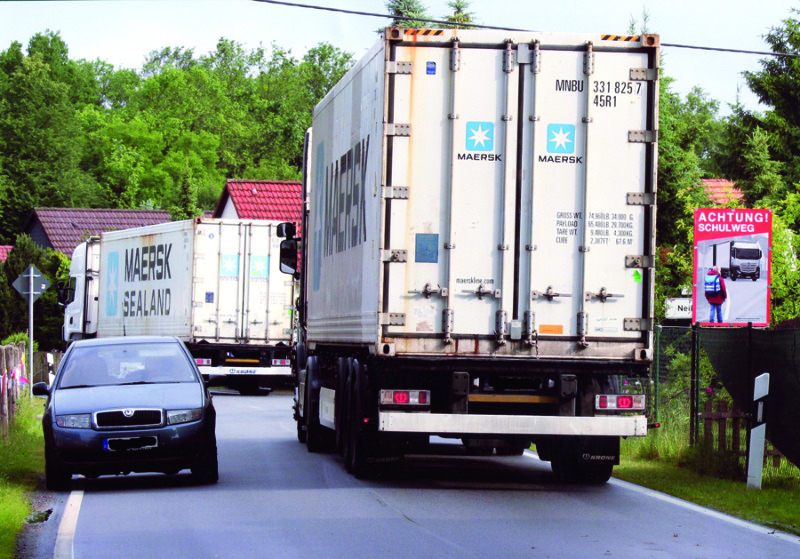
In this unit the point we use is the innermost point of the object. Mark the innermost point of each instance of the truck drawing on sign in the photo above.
(478, 249)
(738, 259)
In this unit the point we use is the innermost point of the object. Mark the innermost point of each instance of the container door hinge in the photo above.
(508, 58)
(392, 319)
(399, 67)
(396, 129)
(640, 261)
(644, 74)
(642, 136)
(637, 324)
(640, 198)
(395, 192)
(394, 255)
(588, 59)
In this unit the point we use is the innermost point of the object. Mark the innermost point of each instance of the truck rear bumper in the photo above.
(622, 426)
(247, 371)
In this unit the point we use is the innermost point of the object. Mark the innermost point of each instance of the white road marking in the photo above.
(66, 530)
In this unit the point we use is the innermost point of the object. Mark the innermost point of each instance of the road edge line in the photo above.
(66, 530)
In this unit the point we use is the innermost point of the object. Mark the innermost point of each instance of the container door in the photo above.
(584, 208)
(456, 219)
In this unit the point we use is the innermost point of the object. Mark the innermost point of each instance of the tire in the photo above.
(571, 469)
(57, 477)
(315, 438)
(206, 471)
(357, 459)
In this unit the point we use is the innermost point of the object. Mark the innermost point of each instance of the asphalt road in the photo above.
(274, 499)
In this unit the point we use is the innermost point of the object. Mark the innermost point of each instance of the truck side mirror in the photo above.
(287, 230)
(288, 257)
(63, 293)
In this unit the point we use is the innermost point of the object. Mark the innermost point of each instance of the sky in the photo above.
(124, 32)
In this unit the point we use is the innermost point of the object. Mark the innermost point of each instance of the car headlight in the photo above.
(183, 416)
(75, 421)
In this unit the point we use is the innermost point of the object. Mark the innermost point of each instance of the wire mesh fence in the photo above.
(692, 373)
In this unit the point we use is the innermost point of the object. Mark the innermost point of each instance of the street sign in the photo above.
(23, 283)
(679, 308)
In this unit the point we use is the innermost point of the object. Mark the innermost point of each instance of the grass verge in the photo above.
(21, 467)
(664, 462)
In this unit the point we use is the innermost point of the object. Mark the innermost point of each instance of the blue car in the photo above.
(132, 404)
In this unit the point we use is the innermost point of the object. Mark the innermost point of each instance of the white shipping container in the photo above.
(204, 279)
(487, 193)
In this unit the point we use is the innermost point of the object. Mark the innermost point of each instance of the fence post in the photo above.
(694, 407)
(657, 365)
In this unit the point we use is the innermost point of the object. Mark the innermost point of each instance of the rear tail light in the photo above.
(203, 362)
(281, 362)
(619, 402)
(405, 397)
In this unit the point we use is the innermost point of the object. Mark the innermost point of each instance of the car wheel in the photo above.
(57, 477)
(207, 469)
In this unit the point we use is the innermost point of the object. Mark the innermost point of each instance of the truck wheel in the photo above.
(734, 275)
(314, 435)
(344, 366)
(357, 459)
(572, 469)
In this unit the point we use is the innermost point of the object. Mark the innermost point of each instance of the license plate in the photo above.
(129, 443)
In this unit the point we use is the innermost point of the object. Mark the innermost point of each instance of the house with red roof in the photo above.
(62, 229)
(722, 191)
(261, 199)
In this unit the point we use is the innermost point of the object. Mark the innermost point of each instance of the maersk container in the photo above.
(213, 283)
(481, 228)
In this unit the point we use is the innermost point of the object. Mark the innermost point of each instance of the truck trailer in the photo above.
(478, 249)
(213, 283)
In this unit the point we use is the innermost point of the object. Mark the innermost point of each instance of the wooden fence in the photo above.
(730, 440)
(12, 371)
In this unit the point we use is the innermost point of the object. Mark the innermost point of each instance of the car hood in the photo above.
(96, 398)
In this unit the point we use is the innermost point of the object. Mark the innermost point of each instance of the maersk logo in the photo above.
(230, 265)
(560, 138)
(480, 136)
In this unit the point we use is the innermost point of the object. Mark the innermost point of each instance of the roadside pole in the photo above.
(757, 434)
(36, 285)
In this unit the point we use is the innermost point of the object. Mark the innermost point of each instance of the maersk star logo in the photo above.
(230, 265)
(259, 266)
(480, 136)
(560, 138)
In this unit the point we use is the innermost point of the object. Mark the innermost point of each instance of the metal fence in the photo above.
(684, 386)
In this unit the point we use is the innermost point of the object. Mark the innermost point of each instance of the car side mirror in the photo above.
(41, 389)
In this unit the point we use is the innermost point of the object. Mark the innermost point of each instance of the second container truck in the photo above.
(477, 260)
(213, 283)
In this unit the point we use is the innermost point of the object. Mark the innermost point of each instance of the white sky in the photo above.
(123, 32)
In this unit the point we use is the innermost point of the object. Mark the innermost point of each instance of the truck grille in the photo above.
(138, 418)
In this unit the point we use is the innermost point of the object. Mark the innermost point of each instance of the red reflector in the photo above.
(624, 402)
(423, 397)
(602, 402)
(400, 397)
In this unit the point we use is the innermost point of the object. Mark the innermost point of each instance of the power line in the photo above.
(383, 16)
(477, 26)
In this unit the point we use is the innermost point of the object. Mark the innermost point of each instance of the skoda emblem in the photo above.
(127, 413)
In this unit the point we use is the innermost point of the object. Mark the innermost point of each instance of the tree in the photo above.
(461, 18)
(761, 180)
(777, 85)
(407, 9)
(186, 207)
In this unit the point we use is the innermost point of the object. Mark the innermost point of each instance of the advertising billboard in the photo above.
(732, 266)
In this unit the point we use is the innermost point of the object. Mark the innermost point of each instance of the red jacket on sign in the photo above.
(719, 297)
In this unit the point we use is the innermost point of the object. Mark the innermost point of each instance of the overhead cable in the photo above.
(478, 26)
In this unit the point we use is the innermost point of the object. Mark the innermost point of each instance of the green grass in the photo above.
(21, 467)
(664, 461)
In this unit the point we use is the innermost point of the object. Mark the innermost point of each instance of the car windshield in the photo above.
(126, 364)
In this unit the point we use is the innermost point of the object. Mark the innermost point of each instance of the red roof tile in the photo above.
(260, 199)
(4, 250)
(722, 191)
(66, 228)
